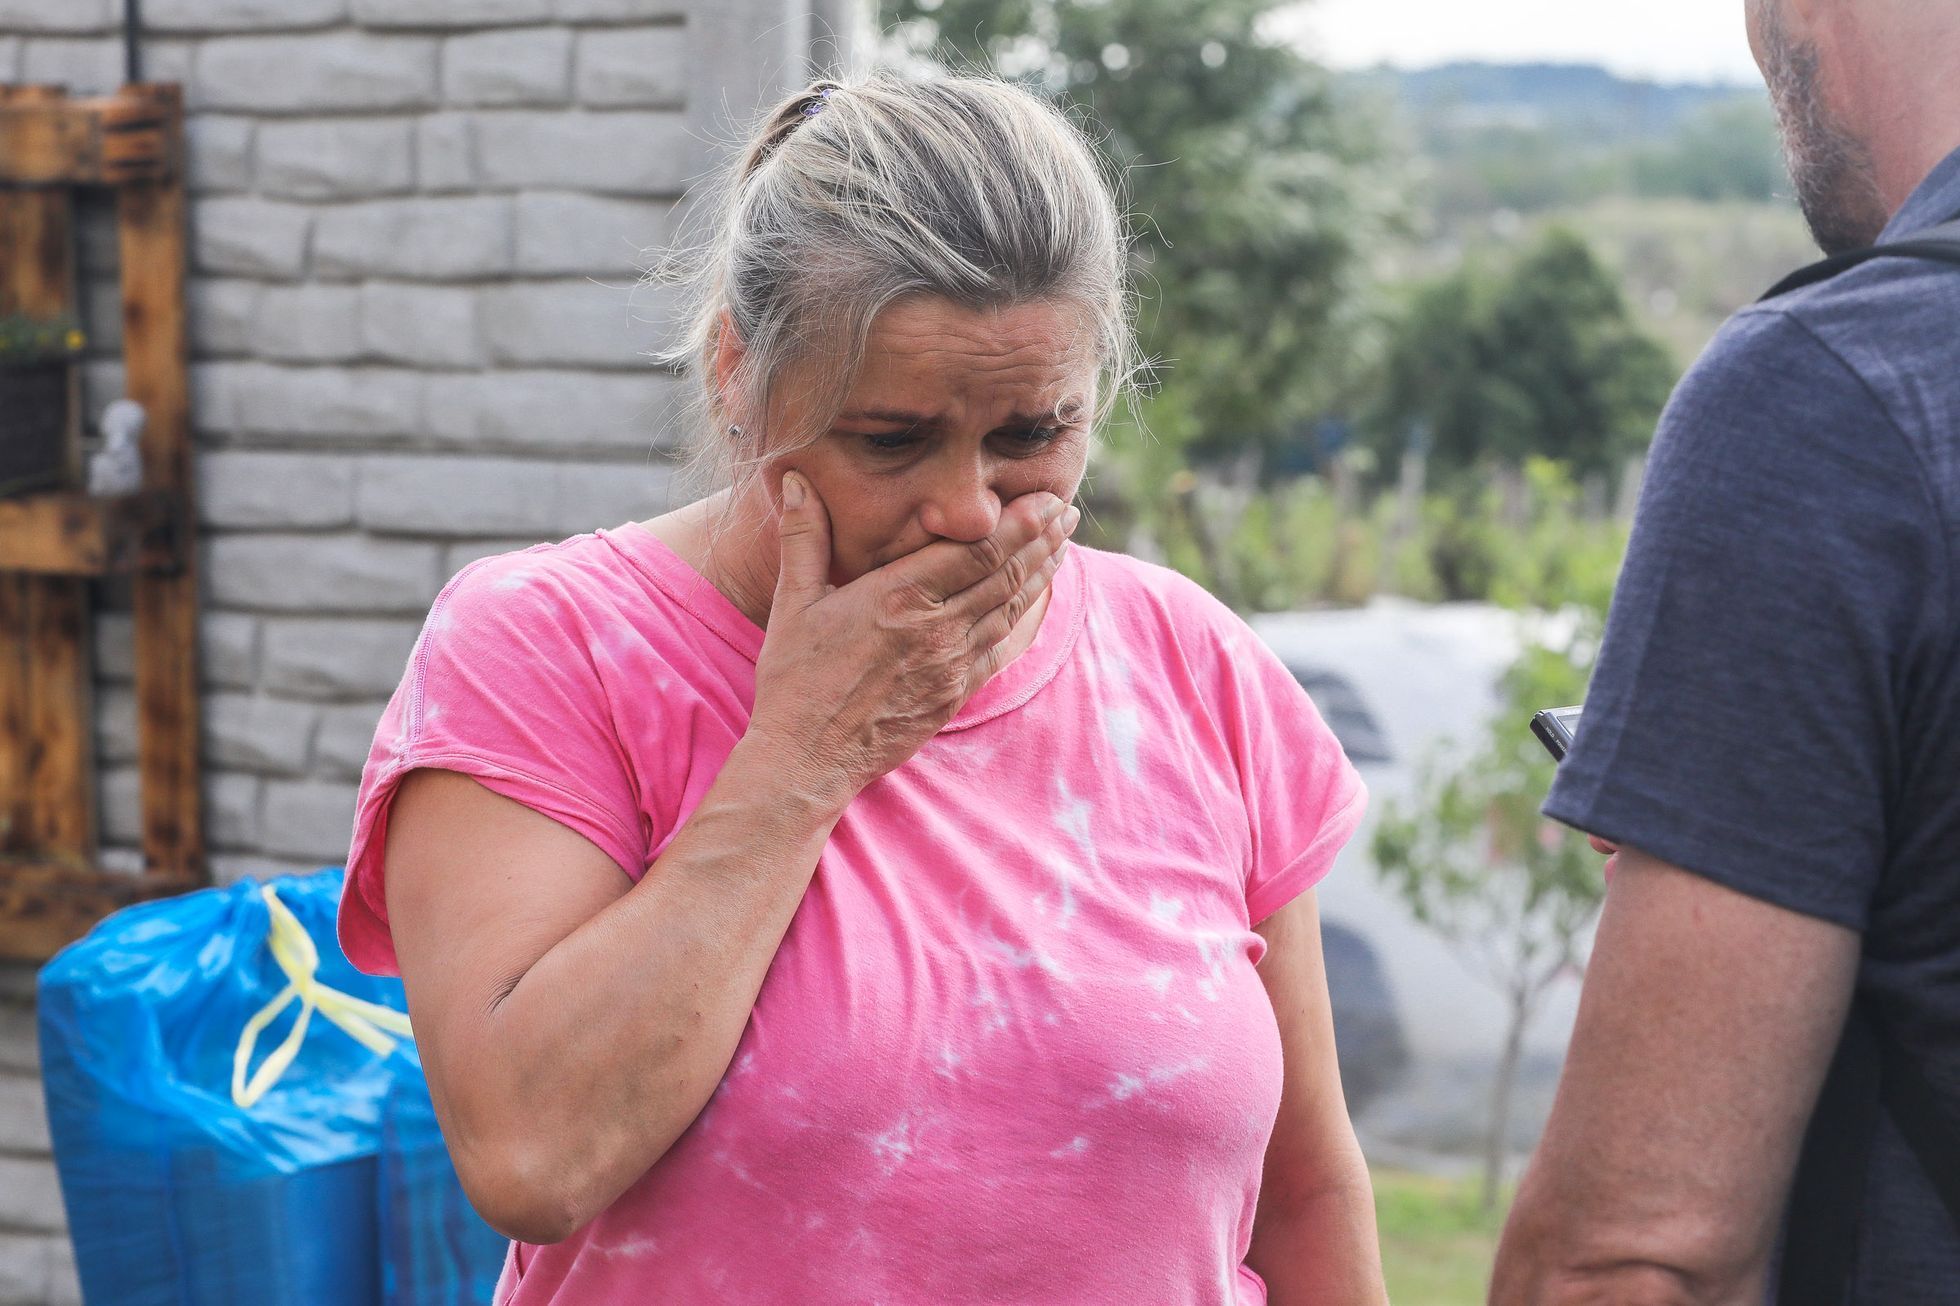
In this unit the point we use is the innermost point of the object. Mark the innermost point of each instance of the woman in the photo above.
(842, 890)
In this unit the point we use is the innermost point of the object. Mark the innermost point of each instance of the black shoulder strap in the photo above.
(1872, 1073)
(1940, 244)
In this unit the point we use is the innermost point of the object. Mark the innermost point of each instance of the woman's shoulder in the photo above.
(1134, 589)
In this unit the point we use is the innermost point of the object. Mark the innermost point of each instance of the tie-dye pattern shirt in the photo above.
(1013, 1047)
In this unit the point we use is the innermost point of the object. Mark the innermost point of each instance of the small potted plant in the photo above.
(35, 357)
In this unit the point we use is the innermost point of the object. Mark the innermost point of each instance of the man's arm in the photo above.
(1705, 1029)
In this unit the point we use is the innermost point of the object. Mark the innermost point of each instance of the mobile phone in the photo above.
(1555, 728)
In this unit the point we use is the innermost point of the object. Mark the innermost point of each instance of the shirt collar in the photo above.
(1936, 200)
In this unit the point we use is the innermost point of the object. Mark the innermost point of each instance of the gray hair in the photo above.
(851, 196)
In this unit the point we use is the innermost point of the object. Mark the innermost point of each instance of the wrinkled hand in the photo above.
(853, 680)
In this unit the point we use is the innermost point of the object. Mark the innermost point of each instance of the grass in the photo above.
(1436, 1243)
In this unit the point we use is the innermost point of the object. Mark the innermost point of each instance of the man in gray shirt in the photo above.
(1772, 740)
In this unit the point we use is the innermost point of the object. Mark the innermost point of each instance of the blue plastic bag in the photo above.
(176, 1194)
(435, 1249)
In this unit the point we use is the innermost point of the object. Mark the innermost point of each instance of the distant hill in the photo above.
(1576, 101)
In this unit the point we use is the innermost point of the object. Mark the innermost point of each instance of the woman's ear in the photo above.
(729, 351)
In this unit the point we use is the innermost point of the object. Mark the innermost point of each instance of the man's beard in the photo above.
(1836, 181)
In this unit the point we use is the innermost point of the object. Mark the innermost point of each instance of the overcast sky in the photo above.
(1670, 40)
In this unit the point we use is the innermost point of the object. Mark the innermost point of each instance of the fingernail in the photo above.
(1053, 510)
(792, 490)
(1070, 521)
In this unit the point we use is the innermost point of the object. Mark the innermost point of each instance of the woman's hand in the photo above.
(853, 680)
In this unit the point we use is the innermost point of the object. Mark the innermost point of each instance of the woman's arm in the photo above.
(1313, 1237)
(573, 1023)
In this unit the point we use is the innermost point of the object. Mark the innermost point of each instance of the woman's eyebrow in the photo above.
(1067, 411)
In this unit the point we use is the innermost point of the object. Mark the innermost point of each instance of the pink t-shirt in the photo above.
(1013, 1047)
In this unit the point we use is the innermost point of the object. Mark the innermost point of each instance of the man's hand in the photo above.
(1706, 1026)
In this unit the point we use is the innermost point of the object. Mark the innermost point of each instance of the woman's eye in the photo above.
(1032, 439)
(892, 442)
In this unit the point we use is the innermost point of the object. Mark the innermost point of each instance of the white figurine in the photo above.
(117, 467)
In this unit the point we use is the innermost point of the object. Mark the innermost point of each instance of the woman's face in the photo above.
(954, 413)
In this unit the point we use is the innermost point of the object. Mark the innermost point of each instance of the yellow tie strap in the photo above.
(293, 949)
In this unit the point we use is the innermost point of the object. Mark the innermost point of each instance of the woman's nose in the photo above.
(961, 506)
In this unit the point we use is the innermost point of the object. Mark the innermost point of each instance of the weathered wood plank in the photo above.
(151, 222)
(49, 140)
(75, 535)
(46, 905)
(56, 768)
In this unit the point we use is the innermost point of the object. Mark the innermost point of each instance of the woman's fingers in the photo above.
(978, 600)
(995, 626)
(946, 568)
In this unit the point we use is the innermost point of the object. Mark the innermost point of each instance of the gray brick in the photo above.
(301, 573)
(37, 1268)
(173, 59)
(30, 1195)
(326, 70)
(9, 58)
(60, 15)
(576, 323)
(218, 152)
(309, 818)
(554, 411)
(619, 10)
(420, 239)
(336, 158)
(231, 808)
(240, 15)
(119, 860)
(114, 638)
(23, 1116)
(115, 724)
(249, 237)
(20, 1042)
(227, 648)
(338, 658)
(102, 313)
(530, 65)
(308, 324)
(214, 394)
(449, 13)
(238, 489)
(445, 152)
(328, 401)
(455, 557)
(568, 234)
(88, 65)
(230, 868)
(428, 326)
(498, 496)
(644, 66)
(119, 809)
(222, 314)
(622, 153)
(346, 736)
(104, 380)
(254, 732)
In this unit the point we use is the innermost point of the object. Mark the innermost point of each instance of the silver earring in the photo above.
(735, 431)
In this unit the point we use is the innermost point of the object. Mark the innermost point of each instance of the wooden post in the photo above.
(46, 692)
(151, 222)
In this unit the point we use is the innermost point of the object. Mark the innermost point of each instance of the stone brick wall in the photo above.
(416, 227)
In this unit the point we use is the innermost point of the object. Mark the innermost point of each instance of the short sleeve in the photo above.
(1303, 798)
(501, 686)
(1785, 564)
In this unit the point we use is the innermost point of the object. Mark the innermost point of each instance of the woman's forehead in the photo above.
(924, 349)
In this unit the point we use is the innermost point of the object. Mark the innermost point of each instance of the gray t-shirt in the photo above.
(1777, 704)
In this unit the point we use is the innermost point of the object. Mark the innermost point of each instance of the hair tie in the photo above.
(815, 106)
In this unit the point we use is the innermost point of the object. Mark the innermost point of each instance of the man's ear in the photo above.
(729, 351)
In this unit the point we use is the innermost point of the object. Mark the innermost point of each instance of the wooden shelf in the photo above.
(46, 905)
(66, 534)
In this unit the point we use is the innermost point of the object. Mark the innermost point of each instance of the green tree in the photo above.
(1499, 361)
(1253, 193)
